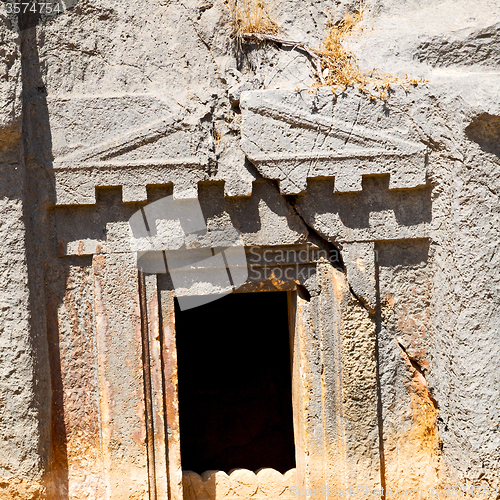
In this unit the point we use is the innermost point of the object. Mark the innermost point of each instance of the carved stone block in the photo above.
(125, 140)
(293, 136)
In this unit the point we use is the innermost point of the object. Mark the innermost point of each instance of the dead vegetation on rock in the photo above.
(340, 66)
(250, 16)
(335, 65)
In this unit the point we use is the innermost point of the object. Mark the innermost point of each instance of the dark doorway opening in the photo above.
(235, 394)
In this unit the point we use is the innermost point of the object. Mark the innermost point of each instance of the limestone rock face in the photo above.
(396, 352)
(11, 83)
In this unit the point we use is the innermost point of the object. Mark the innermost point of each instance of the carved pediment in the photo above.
(129, 141)
(293, 136)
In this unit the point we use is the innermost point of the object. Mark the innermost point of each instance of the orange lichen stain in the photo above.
(81, 247)
(390, 299)
(277, 282)
(424, 433)
(416, 462)
(412, 454)
(22, 489)
(83, 452)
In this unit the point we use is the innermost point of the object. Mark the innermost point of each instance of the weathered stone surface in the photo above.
(120, 377)
(23, 390)
(359, 261)
(417, 35)
(11, 83)
(266, 484)
(160, 98)
(294, 136)
(123, 140)
(465, 47)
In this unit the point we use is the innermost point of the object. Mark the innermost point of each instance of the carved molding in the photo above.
(293, 136)
(126, 140)
(240, 484)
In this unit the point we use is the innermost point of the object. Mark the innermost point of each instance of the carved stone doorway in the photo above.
(329, 419)
(235, 392)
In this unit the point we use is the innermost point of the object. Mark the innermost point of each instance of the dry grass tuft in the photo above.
(339, 65)
(250, 16)
(336, 66)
